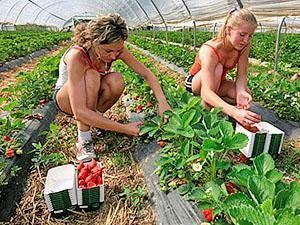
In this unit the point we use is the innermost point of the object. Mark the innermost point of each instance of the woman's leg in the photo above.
(92, 83)
(112, 86)
(197, 82)
(92, 86)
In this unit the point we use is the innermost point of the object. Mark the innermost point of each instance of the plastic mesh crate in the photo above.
(90, 197)
(60, 188)
(269, 139)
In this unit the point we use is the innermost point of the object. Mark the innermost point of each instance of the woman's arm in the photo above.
(77, 67)
(243, 96)
(151, 79)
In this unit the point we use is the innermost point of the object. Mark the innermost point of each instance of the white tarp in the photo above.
(140, 12)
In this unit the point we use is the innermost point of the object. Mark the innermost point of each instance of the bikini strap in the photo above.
(215, 50)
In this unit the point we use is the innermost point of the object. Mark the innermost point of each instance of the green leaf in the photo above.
(287, 218)
(185, 148)
(263, 164)
(226, 128)
(216, 190)
(237, 200)
(281, 199)
(187, 132)
(267, 207)
(184, 189)
(261, 189)
(197, 195)
(293, 200)
(274, 175)
(188, 117)
(210, 145)
(247, 215)
(194, 157)
(238, 141)
(224, 165)
(152, 132)
(147, 128)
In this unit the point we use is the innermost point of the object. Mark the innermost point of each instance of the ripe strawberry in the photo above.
(91, 185)
(139, 108)
(161, 143)
(6, 138)
(208, 214)
(80, 166)
(83, 174)
(243, 158)
(82, 186)
(230, 187)
(92, 164)
(81, 182)
(42, 101)
(99, 181)
(89, 178)
(9, 153)
(250, 128)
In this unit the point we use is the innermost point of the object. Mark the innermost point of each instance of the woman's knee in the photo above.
(115, 83)
(219, 71)
(92, 81)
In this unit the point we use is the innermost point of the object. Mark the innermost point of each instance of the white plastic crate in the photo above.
(269, 139)
(60, 189)
(90, 197)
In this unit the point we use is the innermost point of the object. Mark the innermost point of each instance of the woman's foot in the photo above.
(85, 150)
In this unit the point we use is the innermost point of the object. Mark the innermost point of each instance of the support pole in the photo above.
(162, 19)
(278, 42)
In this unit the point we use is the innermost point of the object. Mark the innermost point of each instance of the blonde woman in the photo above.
(230, 49)
(87, 86)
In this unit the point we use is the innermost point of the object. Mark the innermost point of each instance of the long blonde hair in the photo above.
(234, 18)
(106, 29)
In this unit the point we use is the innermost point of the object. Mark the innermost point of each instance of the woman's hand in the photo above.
(246, 117)
(243, 99)
(163, 106)
(133, 128)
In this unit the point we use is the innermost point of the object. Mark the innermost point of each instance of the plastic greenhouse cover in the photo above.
(138, 12)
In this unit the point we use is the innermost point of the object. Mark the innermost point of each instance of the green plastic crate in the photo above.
(60, 189)
(269, 139)
(91, 197)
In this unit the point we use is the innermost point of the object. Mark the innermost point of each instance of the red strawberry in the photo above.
(82, 186)
(90, 178)
(92, 164)
(161, 143)
(99, 181)
(91, 185)
(82, 175)
(42, 101)
(80, 166)
(230, 187)
(81, 182)
(208, 214)
(250, 128)
(243, 158)
(139, 108)
(6, 138)
(9, 153)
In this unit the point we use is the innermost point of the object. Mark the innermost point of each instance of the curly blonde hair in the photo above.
(106, 29)
(234, 19)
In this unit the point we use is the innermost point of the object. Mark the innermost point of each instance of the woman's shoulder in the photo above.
(214, 43)
(75, 55)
